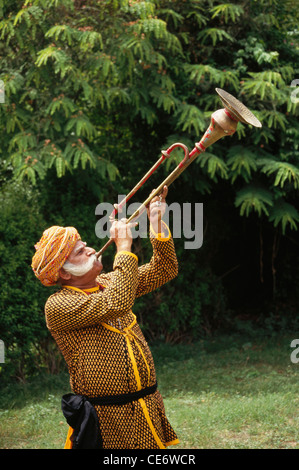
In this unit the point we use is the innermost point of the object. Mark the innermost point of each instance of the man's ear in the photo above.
(63, 274)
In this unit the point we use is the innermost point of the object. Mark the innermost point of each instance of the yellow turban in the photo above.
(52, 251)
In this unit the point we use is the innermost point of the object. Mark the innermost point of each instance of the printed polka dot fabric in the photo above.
(106, 351)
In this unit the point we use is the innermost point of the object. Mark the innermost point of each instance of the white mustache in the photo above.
(83, 268)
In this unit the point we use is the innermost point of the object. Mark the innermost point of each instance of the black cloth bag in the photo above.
(82, 417)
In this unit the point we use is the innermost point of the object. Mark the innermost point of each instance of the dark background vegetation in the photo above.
(93, 92)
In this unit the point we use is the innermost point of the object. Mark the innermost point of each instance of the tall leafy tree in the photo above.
(69, 67)
(251, 50)
(95, 88)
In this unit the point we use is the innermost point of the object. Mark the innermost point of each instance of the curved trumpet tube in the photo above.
(223, 123)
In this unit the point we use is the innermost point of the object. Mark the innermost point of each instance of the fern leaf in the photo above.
(214, 165)
(76, 151)
(228, 11)
(285, 172)
(190, 118)
(199, 72)
(265, 84)
(90, 39)
(62, 102)
(273, 118)
(64, 32)
(253, 198)
(112, 171)
(44, 55)
(22, 14)
(30, 174)
(285, 214)
(106, 167)
(25, 172)
(148, 114)
(13, 84)
(60, 166)
(215, 35)
(163, 98)
(175, 16)
(141, 9)
(23, 141)
(81, 125)
(241, 161)
(198, 14)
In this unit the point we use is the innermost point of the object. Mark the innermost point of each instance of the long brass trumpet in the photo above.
(223, 123)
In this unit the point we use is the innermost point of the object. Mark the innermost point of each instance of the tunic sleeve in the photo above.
(163, 265)
(69, 311)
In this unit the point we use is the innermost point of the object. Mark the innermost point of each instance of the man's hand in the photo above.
(156, 210)
(121, 233)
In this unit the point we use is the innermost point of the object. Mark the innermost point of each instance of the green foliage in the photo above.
(130, 59)
(227, 11)
(74, 70)
(22, 322)
(284, 214)
(95, 89)
(253, 198)
(241, 161)
(285, 172)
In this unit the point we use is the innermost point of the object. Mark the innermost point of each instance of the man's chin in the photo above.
(98, 266)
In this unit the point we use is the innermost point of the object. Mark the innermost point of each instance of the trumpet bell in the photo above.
(240, 111)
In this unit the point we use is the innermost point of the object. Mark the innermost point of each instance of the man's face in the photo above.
(84, 260)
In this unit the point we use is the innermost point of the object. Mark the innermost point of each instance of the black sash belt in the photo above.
(124, 398)
(80, 415)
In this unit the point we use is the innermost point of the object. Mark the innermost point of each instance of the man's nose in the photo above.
(90, 251)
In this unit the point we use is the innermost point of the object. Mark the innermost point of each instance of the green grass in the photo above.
(227, 393)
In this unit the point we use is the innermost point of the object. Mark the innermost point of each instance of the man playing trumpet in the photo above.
(115, 404)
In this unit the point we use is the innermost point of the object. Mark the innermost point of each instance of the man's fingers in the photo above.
(121, 228)
(129, 224)
(164, 192)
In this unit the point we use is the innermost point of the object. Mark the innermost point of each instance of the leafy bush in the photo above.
(22, 322)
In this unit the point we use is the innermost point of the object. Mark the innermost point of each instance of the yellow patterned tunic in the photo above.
(106, 352)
